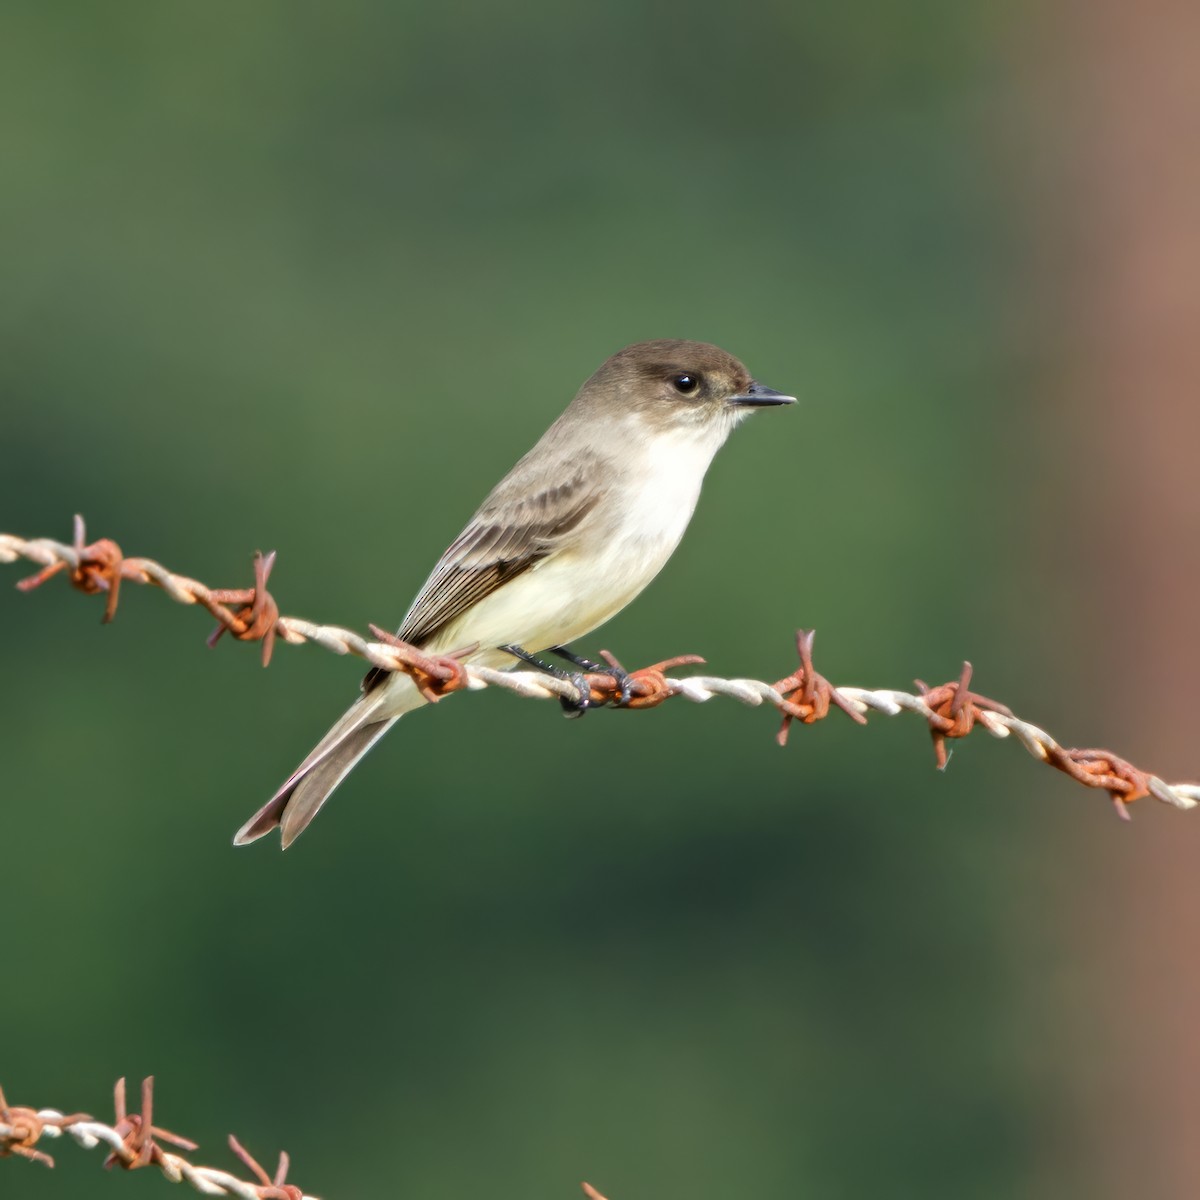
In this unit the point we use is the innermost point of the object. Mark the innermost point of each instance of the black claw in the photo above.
(571, 706)
(580, 705)
(576, 707)
(618, 675)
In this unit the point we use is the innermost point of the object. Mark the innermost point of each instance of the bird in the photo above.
(562, 543)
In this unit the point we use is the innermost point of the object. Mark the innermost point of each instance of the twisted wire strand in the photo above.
(209, 1181)
(133, 1142)
(950, 710)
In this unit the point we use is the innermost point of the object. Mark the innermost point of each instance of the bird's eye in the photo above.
(685, 383)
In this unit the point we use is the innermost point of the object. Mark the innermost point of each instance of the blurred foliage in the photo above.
(310, 278)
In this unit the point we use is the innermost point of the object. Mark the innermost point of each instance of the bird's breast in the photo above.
(613, 555)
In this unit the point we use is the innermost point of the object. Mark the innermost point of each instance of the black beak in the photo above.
(758, 395)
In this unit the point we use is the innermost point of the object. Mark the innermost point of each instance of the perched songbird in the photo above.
(565, 540)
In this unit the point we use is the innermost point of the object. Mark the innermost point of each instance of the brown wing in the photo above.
(503, 540)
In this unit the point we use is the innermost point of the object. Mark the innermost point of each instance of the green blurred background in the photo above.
(311, 278)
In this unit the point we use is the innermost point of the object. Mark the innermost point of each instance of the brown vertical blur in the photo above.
(1113, 111)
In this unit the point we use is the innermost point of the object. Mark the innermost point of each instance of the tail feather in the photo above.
(306, 797)
(305, 791)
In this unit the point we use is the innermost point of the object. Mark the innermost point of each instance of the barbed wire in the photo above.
(133, 1141)
(951, 710)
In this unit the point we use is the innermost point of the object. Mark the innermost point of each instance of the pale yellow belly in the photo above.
(623, 545)
(554, 603)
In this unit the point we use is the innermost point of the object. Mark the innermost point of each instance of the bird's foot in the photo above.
(571, 707)
(610, 667)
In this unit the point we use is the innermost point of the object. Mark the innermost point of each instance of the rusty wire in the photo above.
(133, 1142)
(951, 710)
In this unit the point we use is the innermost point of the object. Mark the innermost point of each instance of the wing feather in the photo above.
(503, 540)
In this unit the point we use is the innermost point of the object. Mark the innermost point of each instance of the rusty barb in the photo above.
(100, 567)
(950, 710)
(134, 1141)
